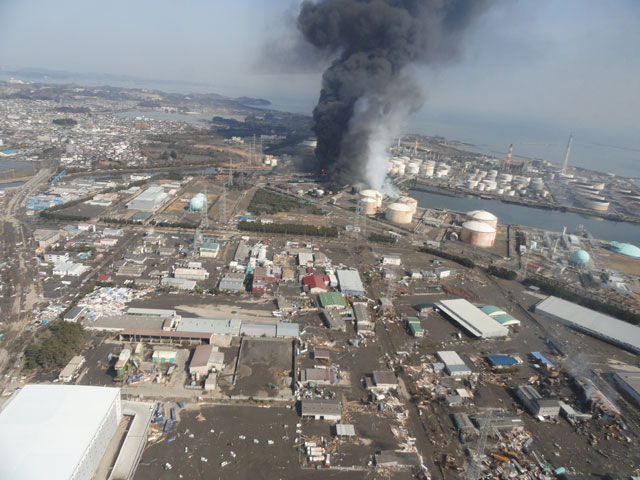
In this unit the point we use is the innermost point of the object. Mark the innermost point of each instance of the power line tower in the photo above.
(223, 205)
(474, 469)
(197, 241)
(230, 171)
(204, 220)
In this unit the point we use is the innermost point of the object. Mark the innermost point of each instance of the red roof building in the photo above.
(315, 283)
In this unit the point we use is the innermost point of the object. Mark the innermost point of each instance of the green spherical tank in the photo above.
(580, 258)
(198, 202)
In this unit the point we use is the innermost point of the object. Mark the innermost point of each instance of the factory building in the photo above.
(535, 404)
(589, 321)
(149, 200)
(57, 431)
(471, 319)
(206, 357)
(479, 234)
(453, 364)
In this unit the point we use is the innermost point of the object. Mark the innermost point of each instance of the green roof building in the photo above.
(331, 300)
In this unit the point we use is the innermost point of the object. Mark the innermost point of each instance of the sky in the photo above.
(572, 64)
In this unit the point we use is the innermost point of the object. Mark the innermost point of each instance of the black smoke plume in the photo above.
(369, 89)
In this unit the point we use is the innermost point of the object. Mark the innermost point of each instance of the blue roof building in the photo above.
(501, 360)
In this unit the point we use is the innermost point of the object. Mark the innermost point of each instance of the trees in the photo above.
(65, 340)
(465, 262)
(502, 272)
(264, 201)
(288, 228)
(380, 238)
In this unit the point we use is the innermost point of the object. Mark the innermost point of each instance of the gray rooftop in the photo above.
(589, 321)
(216, 326)
(321, 407)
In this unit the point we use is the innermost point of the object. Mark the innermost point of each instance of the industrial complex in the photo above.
(180, 300)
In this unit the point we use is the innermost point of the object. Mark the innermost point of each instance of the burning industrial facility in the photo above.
(369, 89)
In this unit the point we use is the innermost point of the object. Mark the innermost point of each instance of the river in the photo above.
(553, 220)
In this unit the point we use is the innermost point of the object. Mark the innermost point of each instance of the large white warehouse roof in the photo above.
(471, 318)
(45, 430)
(589, 321)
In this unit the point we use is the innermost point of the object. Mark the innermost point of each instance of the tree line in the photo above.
(288, 228)
(465, 262)
(64, 340)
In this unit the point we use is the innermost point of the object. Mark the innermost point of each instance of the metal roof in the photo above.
(216, 326)
(287, 329)
(506, 319)
(321, 407)
(385, 377)
(501, 360)
(331, 299)
(45, 429)
(591, 322)
(258, 329)
(345, 430)
(471, 318)
(350, 282)
(542, 359)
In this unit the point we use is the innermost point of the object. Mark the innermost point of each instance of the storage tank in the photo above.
(399, 213)
(427, 169)
(369, 206)
(471, 184)
(482, 216)
(478, 233)
(198, 202)
(413, 168)
(594, 203)
(412, 202)
(580, 258)
(370, 193)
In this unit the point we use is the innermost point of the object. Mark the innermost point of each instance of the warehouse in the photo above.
(628, 380)
(350, 283)
(179, 283)
(68, 437)
(364, 325)
(320, 409)
(535, 404)
(500, 316)
(206, 357)
(593, 323)
(232, 281)
(149, 200)
(258, 329)
(471, 319)
(453, 364)
(191, 273)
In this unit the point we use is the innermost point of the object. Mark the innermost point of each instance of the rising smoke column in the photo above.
(369, 90)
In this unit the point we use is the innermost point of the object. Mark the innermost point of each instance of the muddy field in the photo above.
(216, 432)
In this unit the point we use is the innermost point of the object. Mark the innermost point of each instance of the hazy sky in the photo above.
(573, 63)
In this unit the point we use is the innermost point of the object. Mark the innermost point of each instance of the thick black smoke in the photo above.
(368, 90)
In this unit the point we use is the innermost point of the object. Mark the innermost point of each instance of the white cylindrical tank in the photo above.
(399, 213)
(427, 169)
(413, 168)
(481, 187)
(482, 216)
(478, 233)
(472, 183)
(369, 205)
(370, 193)
(412, 202)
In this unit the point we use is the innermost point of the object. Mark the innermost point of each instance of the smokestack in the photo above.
(368, 91)
(507, 164)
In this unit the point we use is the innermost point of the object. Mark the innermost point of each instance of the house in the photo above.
(321, 354)
(320, 409)
(74, 314)
(315, 283)
(56, 257)
(384, 380)
(206, 357)
(315, 376)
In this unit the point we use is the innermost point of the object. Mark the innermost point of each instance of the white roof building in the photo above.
(350, 283)
(57, 432)
(471, 318)
(591, 322)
